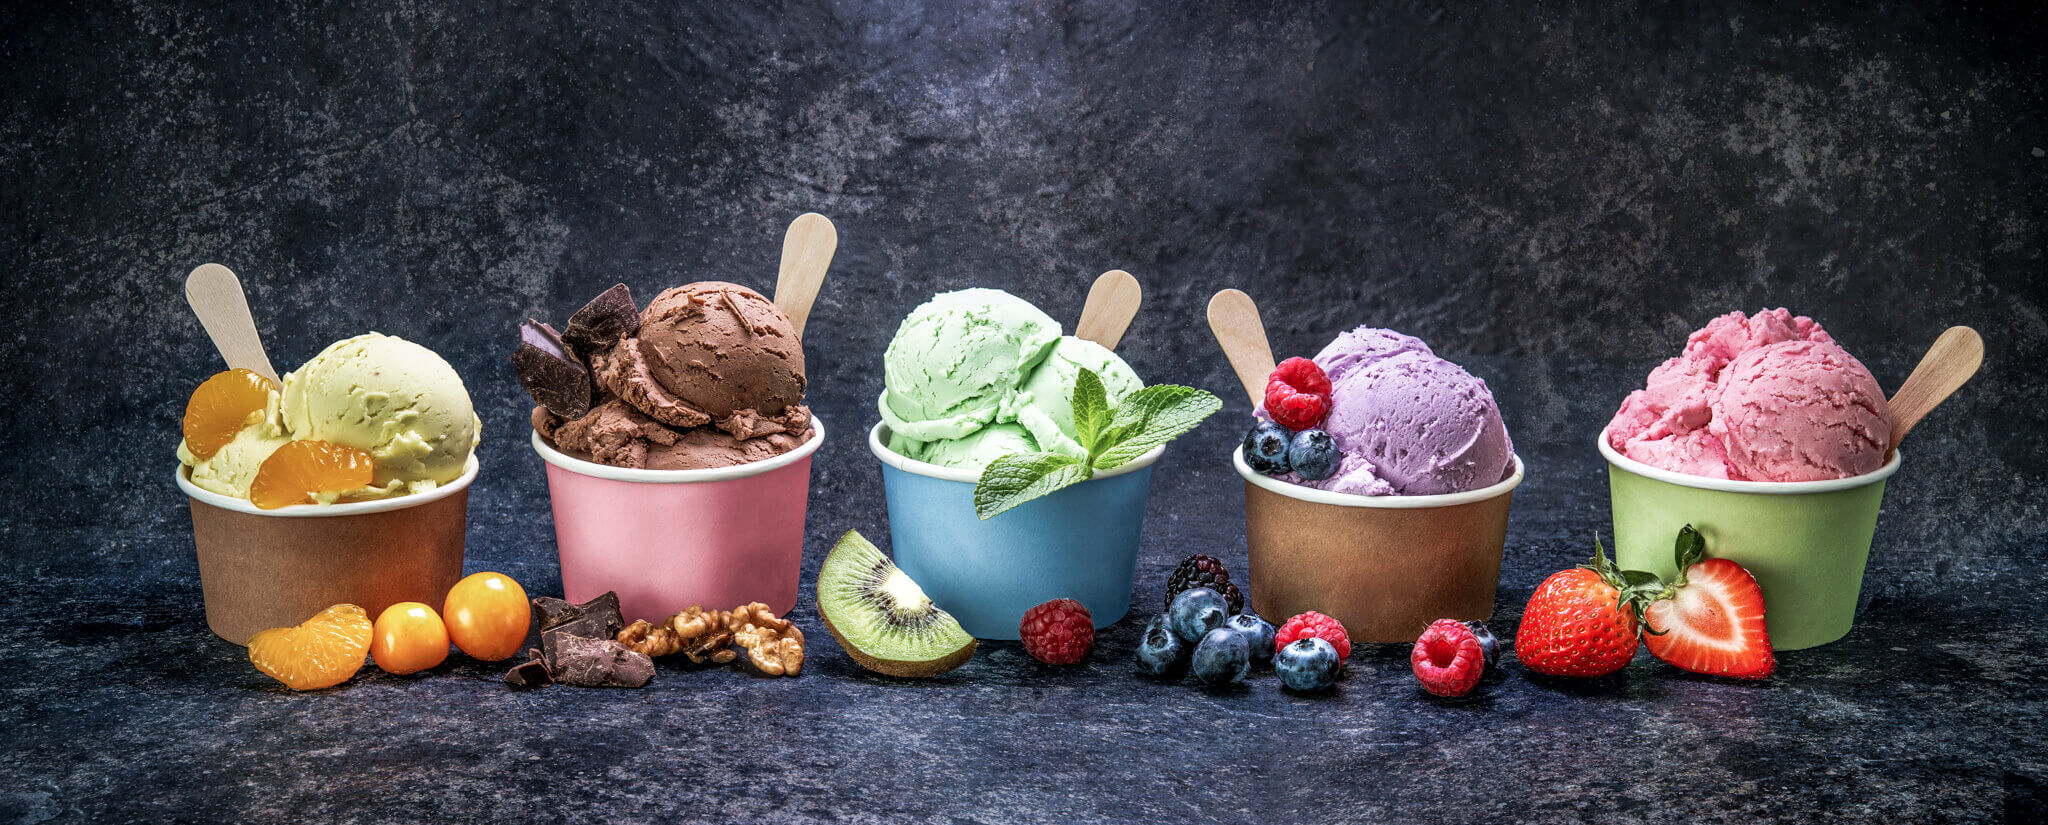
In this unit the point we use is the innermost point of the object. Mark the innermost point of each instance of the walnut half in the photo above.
(650, 639)
(774, 645)
(705, 635)
(696, 633)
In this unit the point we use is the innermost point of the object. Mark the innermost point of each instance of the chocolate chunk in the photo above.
(599, 618)
(598, 663)
(550, 611)
(551, 641)
(531, 673)
(551, 372)
(595, 624)
(602, 322)
(577, 644)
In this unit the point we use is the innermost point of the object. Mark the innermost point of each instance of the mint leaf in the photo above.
(1015, 479)
(1146, 419)
(1091, 409)
(1151, 417)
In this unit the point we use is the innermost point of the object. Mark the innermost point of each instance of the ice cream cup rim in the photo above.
(929, 470)
(1769, 488)
(1396, 502)
(346, 508)
(549, 454)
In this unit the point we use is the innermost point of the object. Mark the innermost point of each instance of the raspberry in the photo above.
(1317, 625)
(1298, 394)
(1449, 659)
(1302, 374)
(1058, 632)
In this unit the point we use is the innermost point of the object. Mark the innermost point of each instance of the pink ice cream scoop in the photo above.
(1763, 398)
(1406, 421)
(1802, 411)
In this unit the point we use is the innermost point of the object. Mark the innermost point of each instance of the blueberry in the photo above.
(1195, 612)
(1159, 651)
(1489, 646)
(1265, 448)
(1222, 659)
(1309, 664)
(1313, 454)
(1257, 633)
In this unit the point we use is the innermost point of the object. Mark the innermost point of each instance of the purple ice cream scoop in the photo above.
(1365, 346)
(1408, 423)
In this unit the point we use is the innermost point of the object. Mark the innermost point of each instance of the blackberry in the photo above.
(1204, 571)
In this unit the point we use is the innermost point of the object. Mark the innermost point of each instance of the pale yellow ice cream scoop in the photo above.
(392, 398)
(230, 469)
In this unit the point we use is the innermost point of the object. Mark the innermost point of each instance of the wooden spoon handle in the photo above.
(1234, 320)
(1112, 303)
(216, 297)
(806, 253)
(1948, 364)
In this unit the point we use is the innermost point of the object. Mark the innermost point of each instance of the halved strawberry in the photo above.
(1711, 619)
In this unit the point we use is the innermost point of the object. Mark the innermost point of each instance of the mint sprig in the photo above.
(1113, 437)
(1014, 479)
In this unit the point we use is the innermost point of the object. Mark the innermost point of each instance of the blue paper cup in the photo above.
(1079, 543)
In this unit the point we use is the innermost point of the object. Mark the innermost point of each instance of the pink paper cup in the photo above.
(668, 539)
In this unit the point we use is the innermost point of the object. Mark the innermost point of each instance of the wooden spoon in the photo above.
(1112, 303)
(806, 253)
(1955, 357)
(216, 297)
(1234, 320)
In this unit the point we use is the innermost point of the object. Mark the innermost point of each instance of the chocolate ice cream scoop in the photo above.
(616, 434)
(711, 352)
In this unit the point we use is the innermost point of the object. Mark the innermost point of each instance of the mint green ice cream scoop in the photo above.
(978, 374)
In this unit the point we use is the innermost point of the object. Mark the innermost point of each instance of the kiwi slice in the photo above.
(882, 618)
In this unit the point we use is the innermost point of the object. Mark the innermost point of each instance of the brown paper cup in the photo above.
(261, 569)
(1384, 566)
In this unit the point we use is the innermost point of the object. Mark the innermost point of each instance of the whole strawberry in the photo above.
(1058, 632)
(1317, 625)
(1298, 394)
(1711, 618)
(1578, 622)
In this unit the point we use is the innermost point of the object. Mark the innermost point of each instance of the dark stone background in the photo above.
(1552, 195)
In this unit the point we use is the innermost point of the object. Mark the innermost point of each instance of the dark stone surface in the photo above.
(1551, 196)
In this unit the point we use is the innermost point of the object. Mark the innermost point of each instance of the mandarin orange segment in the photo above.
(220, 406)
(301, 469)
(321, 652)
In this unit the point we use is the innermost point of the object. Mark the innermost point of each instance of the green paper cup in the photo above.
(1805, 541)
